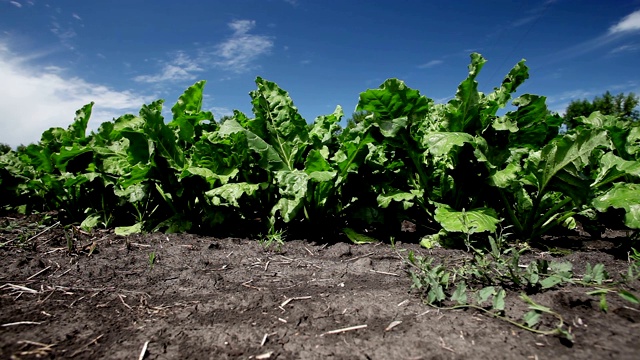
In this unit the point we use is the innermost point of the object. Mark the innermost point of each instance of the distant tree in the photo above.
(621, 105)
(4, 148)
(356, 118)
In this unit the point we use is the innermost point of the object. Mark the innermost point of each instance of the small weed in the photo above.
(152, 259)
(481, 282)
(274, 236)
(68, 234)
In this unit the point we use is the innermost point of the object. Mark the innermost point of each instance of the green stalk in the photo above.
(510, 212)
(548, 215)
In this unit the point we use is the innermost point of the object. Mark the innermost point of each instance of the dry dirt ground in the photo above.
(230, 298)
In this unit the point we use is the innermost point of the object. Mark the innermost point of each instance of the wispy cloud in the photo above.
(430, 64)
(76, 16)
(629, 23)
(16, 4)
(35, 99)
(219, 112)
(65, 34)
(532, 14)
(292, 2)
(180, 68)
(625, 27)
(625, 48)
(238, 53)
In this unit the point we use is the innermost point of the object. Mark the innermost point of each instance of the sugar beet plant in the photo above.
(454, 168)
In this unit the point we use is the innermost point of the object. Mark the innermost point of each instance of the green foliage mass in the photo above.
(620, 105)
(455, 169)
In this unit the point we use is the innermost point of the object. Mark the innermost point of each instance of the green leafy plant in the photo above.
(458, 170)
(273, 237)
(480, 282)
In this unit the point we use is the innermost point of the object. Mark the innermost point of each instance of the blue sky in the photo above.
(56, 56)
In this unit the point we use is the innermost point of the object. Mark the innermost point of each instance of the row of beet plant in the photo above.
(454, 168)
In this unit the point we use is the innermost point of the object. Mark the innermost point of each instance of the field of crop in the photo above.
(271, 237)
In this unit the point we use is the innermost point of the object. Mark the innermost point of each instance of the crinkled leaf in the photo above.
(293, 186)
(78, 128)
(562, 153)
(394, 105)
(132, 193)
(441, 143)
(325, 127)
(270, 159)
(613, 167)
(128, 230)
(229, 194)
(464, 108)
(622, 196)
(405, 198)
(209, 175)
(187, 112)
(73, 154)
(472, 221)
(90, 222)
(278, 123)
(163, 137)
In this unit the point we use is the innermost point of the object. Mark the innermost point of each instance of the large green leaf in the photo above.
(278, 123)
(68, 154)
(463, 110)
(568, 150)
(78, 128)
(612, 167)
(394, 105)
(187, 112)
(270, 158)
(405, 198)
(472, 221)
(229, 194)
(323, 131)
(293, 186)
(622, 196)
(162, 136)
(536, 125)
(441, 143)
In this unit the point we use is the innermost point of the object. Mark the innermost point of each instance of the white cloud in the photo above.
(33, 100)
(76, 16)
(182, 67)
(16, 4)
(630, 22)
(625, 27)
(242, 49)
(219, 112)
(292, 2)
(236, 54)
(430, 64)
(625, 48)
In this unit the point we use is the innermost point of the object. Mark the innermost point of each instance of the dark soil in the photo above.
(230, 298)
